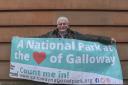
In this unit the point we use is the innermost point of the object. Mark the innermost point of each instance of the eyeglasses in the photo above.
(62, 24)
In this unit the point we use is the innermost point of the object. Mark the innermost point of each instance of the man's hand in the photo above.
(113, 40)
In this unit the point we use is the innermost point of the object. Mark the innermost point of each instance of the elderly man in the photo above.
(63, 31)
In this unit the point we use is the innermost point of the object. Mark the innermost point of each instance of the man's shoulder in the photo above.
(92, 37)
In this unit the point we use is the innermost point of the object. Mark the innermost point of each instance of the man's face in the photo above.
(62, 25)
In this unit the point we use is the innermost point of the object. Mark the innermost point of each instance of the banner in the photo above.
(64, 61)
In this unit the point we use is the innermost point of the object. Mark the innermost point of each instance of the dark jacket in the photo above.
(76, 35)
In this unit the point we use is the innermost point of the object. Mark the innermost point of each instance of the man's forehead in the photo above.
(62, 19)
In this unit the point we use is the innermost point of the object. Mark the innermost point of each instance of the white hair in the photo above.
(62, 18)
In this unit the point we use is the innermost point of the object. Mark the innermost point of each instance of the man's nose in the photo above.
(62, 24)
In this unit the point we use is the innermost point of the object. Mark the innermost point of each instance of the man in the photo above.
(63, 31)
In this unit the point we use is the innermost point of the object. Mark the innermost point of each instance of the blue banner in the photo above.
(64, 61)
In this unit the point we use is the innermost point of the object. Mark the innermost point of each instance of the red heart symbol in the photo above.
(39, 56)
